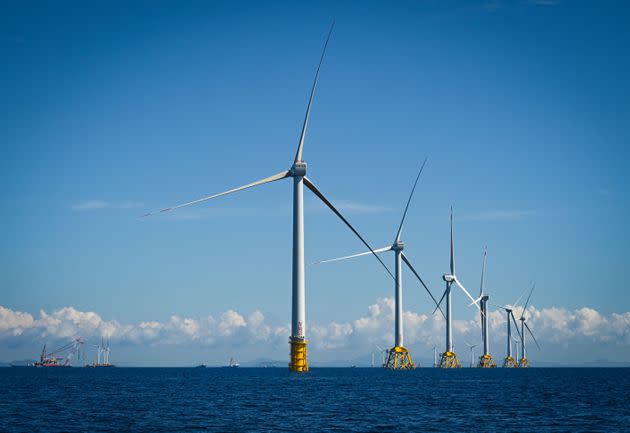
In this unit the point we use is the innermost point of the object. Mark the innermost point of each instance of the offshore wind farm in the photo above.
(448, 199)
(398, 356)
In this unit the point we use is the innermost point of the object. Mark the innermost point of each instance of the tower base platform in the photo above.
(399, 358)
(298, 355)
(486, 361)
(449, 360)
(510, 362)
(523, 363)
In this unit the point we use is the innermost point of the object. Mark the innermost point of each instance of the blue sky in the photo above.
(110, 111)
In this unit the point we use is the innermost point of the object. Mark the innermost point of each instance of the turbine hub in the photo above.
(448, 278)
(398, 246)
(298, 169)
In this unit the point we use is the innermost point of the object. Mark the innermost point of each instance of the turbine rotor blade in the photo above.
(475, 301)
(273, 178)
(380, 250)
(532, 334)
(452, 246)
(483, 271)
(406, 260)
(527, 302)
(467, 294)
(321, 196)
(516, 326)
(440, 301)
(298, 154)
(409, 201)
(520, 297)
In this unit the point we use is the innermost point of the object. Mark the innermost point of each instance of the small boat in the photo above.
(201, 366)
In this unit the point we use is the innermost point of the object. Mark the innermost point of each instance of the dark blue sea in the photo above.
(325, 399)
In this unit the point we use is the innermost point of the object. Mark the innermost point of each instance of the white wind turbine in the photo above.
(383, 354)
(297, 171)
(398, 356)
(510, 361)
(485, 360)
(472, 353)
(449, 359)
(523, 362)
(516, 343)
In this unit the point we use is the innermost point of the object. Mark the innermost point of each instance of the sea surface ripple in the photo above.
(324, 400)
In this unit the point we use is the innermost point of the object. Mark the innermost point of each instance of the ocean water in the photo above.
(325, 399)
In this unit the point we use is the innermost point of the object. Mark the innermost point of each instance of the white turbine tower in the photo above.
(383, 354)
(449, 359)
(485, 360)
(472, 353)
(516, 343)
(298, 342)
(523, 362)
(399, 357)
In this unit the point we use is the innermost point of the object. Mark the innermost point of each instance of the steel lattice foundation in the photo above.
(510, 362)
(399, 358)
(523, 363)
(449, 360)
(298, 355)
(486, 361)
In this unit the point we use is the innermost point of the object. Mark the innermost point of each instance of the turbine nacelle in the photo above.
(398, 246)
(448, 278)
(298, 169)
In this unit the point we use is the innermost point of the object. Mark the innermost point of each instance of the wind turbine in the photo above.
(509, 361)
(435, 364)
(485, 360)
(523, 362)
(107, 353)
(297, 340)
(383, 354)
(516, 342)
(472, 353)
(399, 357)
(98, 353)
(449, 359)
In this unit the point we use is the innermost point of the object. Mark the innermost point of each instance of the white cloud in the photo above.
(550, 325)
(14, 322)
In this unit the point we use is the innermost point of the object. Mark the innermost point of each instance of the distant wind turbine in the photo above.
(449, 358)
(509, 361)
(472, 353)
(524, 362)
(399, 357)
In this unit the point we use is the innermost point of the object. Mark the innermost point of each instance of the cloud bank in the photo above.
(552, 326)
